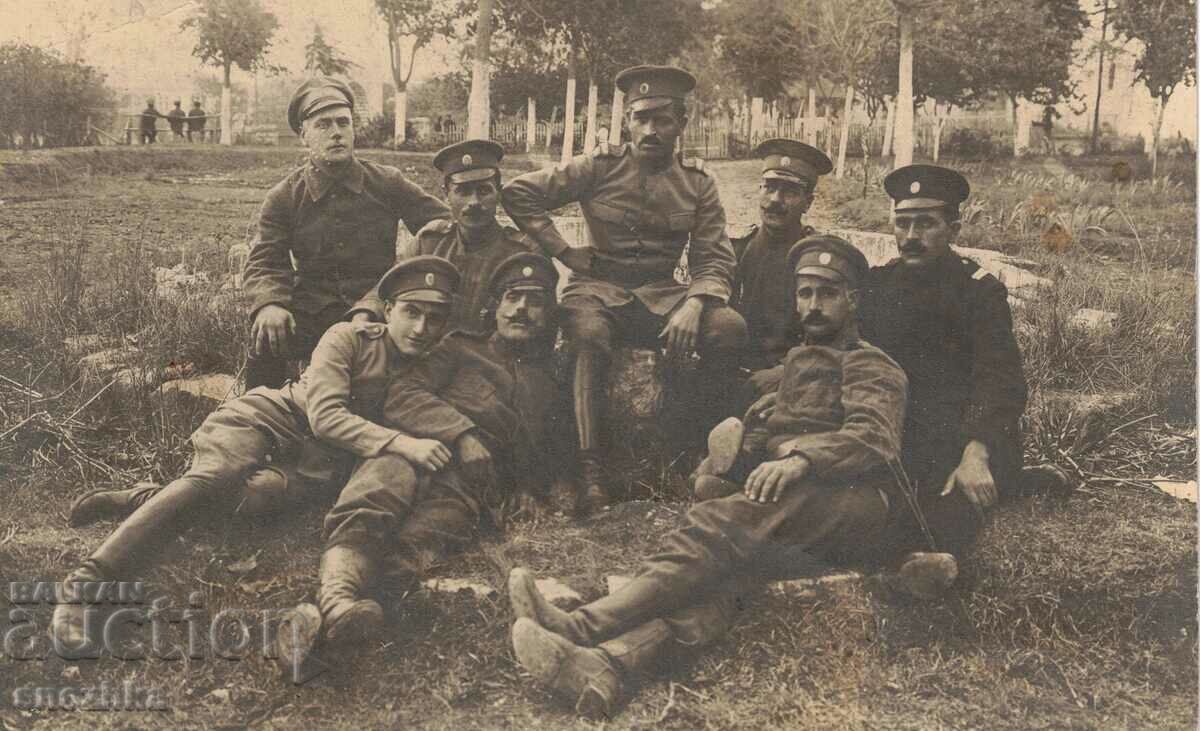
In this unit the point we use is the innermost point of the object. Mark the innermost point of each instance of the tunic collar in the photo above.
(321, 182)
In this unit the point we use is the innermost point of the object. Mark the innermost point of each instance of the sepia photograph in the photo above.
(623, 364)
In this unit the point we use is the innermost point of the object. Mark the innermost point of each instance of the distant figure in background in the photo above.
(149, 122)
(196, 119)
(175, 118)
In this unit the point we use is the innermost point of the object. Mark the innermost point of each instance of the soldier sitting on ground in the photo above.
(496, 402)
(472, 239)
(821, 482)
(338, 400)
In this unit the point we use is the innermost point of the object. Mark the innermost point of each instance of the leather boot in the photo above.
(70, 630)
(924, 575)
(640, 649)
(724, 444)
(588, 391)
(527, 602)
(593, 490)
(110, 504)
(296, 640)
(711, 487)
(586, 677)
(348, 620)
(135, 545)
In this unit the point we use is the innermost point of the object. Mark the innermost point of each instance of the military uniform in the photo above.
(841, 407)
(340, 232)
(762, 293)
(639, 220)
(476, 261)
(950, 328)
(338, 401)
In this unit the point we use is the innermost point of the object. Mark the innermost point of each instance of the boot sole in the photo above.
(358, 624)
(927, 576)
(724, 443)
(540, 652)
(296, 641)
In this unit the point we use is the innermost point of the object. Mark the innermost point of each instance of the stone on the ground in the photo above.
(218, 387)
(559, 594)
(810, 587)
(107, 362)
(454, 586)
(1090, 319)
(1181, 489)
(174, 282)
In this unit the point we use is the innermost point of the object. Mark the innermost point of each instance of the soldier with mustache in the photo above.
(472, 239)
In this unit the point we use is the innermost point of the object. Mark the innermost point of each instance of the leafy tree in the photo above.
(232, 32)
(47, 98)
(418, 22)
(1166, 31)
(764, 46)
(322, 58)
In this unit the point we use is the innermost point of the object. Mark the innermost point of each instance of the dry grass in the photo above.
(1079, 615)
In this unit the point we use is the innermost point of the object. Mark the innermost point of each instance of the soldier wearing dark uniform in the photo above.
(948, 324)
(148, 123)
(821, 483)
(495, 400)
(336, 219)
(642, 204)
(338, 400)
(762, 289)
(474, 240)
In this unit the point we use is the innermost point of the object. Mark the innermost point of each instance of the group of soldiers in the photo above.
(195, 119)
(862, 414)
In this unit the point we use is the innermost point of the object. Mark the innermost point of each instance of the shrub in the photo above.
(975, 144)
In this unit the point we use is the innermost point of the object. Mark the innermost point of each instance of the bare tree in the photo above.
(413, 23)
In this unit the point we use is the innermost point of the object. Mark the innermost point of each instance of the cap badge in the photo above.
(825, 258)
(785, 161)
(467, 161)
(527, 272)
(915, 187)
(644, 87)
(429, 279)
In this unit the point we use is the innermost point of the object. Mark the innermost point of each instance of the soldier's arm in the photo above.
(530, 198)
(874, 397)
(413, 402)
(268, 278)
(413, 205)
(998, 389)
(711, 261)
(328, 380)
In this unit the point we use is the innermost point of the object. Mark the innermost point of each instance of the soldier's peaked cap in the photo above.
(469, 160)
(785, 159)
(651, 87)
(317, 94)
(828, 257)
(525, 271)
(915, 187)
(420, 279)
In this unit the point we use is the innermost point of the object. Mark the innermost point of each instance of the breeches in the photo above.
(589, 325)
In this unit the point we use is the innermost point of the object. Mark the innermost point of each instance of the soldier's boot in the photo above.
(348, 619)
(724, 444)
(134, 545)
(712, 487)
(296, 640)
(528, 603)
(110, 504)
(588, 391)
(1045, 479)
(924, 575)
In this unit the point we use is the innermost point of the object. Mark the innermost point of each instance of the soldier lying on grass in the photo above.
(337, 400)
(821, 482)
(497, 401)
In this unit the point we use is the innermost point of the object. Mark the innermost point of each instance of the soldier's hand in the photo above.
(973, 477)
(272, 330)
(579, 259)
(768, 480)
(766, 380)
(475, 459)
(428, 454)
(762, 409)
(683, 329)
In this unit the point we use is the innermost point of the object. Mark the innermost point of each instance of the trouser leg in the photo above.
(375, 502)
(444, 519)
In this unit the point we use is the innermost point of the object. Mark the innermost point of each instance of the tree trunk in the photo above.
(589, 135)
(479, 113)
(1094, 145)
(568, 147)
(618, 114)
(1154, 138)
(1020, 129)
(939, 123)
(227, 109)
(530, 123)
(810, 129)
(903, 142)
(889, 127)
(400, 107)
(845, 139)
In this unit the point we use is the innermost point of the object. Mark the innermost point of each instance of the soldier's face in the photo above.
(329, 135)
(522, 315)
(473, 204)
(823, 307)
(654, 132)
(415, 326)
(923, 236)
(783, 204)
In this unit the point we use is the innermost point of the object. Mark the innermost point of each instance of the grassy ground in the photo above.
(1080, 615)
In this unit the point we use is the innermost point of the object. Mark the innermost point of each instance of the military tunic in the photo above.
(764, 295)
(639, 223)
(469, 382)
(476, 262)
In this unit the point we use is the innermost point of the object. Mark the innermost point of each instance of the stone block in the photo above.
(215, 387)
